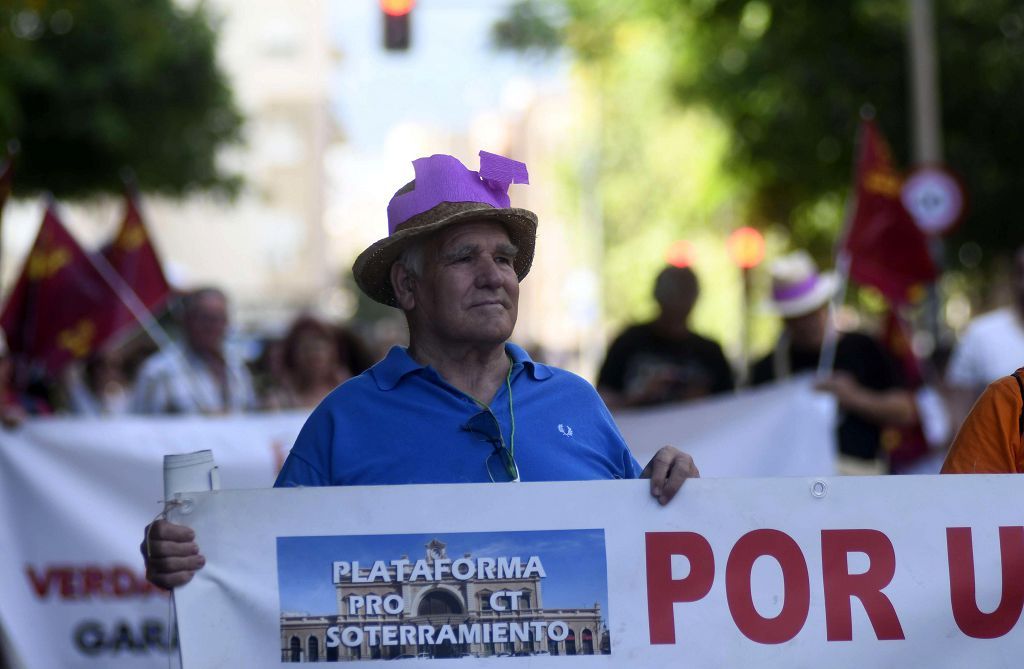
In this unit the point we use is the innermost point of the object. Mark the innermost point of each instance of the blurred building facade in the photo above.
(267, 248)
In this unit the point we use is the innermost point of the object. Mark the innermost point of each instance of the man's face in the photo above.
(469, 291)
(808, 331)
(206, 323)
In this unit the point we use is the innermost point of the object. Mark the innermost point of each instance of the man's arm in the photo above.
(171, 555)
(668, 470)
(655, 387)
(894, 406)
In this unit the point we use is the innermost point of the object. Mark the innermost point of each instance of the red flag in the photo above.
(885, 247)
(905, 445)
(134, 258)
(60, 307)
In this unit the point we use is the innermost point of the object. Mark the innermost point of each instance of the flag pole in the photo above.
(136, 307)
(131, 301)
(926, 125)
(830, 342)
(6, 175)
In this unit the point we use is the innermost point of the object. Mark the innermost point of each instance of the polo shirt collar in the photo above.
(398, 364)
(538, 371)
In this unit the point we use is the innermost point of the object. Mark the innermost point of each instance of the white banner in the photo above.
(835, 572)
(783, 429)
(74, 497)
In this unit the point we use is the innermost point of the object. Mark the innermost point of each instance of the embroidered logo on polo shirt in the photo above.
(565, 430)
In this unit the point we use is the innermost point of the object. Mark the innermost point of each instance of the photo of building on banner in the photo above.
(450, 595)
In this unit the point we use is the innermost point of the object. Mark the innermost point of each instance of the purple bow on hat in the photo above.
(442, 178)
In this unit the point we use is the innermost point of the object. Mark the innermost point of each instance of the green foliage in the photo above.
(90, 87)
(529, 26)
(648, 172)
(788, 78)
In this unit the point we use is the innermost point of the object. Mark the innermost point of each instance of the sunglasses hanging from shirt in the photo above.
(486, 426)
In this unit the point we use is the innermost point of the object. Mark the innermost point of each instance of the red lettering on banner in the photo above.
(41, 585)
(963, 585)
(92, 582)
(662, 590)
(840, 585)
(124, 581)
(797, 586)
(67, 583)
(89, 581)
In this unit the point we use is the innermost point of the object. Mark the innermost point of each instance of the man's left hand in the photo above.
(668, 470)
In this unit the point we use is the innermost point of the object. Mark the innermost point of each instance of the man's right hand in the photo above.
(171, 554)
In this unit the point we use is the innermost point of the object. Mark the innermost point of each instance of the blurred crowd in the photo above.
(897, 412)
(201, 372)
(892, 413)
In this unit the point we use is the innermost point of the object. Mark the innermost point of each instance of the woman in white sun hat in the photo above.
(865, 380)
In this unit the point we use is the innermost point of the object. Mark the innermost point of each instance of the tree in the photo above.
(641, 171)
(90, 87)
(788, 79)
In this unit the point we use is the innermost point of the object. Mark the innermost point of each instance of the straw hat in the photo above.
(443, 193)
(797, 286)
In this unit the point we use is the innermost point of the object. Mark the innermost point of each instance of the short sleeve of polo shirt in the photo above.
(302, 466)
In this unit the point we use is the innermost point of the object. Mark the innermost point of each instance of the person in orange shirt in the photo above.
(989, 441)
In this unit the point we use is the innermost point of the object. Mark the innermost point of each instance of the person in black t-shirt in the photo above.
(865, 379)
(664, 361)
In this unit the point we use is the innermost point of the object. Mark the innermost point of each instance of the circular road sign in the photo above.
(934, 199)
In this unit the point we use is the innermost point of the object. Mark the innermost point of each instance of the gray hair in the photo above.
(412, 259)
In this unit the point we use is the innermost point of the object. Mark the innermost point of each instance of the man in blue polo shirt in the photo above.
(460, 404)
(441, 434)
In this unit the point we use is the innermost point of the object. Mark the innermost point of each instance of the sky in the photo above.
(450, 75)
(451, 92)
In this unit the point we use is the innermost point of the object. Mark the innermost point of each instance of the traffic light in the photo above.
(396, 23)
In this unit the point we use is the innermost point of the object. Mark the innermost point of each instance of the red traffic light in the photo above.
(397, 7)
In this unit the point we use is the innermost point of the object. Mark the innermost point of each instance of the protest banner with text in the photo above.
(872, 571)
